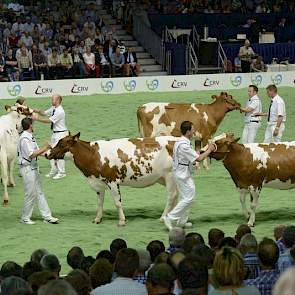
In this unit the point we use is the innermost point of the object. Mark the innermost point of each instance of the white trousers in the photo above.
(268, 136)
(186, 188)
(249, 132)
(33, 193)
(57, 166)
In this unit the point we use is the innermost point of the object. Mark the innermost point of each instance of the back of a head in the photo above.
(192, 273)
(117, 245)
(278, 231)
(215, 235)
(38, 254)
(176, 237)
(126, 263)
(155, 248)
(29, 268)
(228, 267)
(10, 268)
(289, 236)
(189, 244)
(57, 287)
(248, 243)
(191, 292)
(144, 260)
(268, 253)
(162, 258)
(285, 285)
(241, 231)
(80, 281)
(162, 276)
(174, 259)
(38, 279)
(185, 126)
(51, 263)
(204, 254)
(75, 257)
(100, 272)
(12, 284)
(86, 263)
(227, 241)
(107, 255)
(197, 236)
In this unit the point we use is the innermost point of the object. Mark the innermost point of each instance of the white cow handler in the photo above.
(56, 119)
(184, 158)
(28, 152)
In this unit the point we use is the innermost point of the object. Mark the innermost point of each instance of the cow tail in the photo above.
(139, 123)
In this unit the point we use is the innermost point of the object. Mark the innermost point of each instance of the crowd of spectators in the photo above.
(61, 39)
(227, 265)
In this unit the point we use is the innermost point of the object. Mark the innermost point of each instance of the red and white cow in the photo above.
(256, 165)
(133, 162)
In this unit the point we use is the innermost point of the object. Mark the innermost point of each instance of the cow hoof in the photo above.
(251, 224)
(11, 184)
(162, 219)
(97, 221)
(5, 203)
(122, 223)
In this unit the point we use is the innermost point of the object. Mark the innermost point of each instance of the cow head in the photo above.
(63, 147)
(223, 143)
(229, 101)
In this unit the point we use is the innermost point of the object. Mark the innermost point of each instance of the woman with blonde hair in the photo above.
(229, 273)
(286, 283)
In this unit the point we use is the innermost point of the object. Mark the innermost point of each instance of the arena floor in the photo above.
(71, 199)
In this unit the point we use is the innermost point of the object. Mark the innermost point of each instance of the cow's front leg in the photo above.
(243, 194)
(116, 194)
(100, 201)
(4, 175)
(11, 181)
(253, 206)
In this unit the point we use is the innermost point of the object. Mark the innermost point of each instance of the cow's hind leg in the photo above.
(253, 206)
(116, 194)
(100, 201)
(11, 181)
(243, 194)
(4, 174)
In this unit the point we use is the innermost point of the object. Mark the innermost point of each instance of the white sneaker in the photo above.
(29, 222)
(51, 220)
(50, 174)
(185, 225)
(59, 176)
(168, 223)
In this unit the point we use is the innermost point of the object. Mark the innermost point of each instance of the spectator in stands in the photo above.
(118, 61)
(246, 54)
(13, 40)
(189, 244)
(268, 253)
(107, 255)
(29, 268)
(227, 241)
(40, 65)
(75, 257)
(80, 281)
(237, 62)
(155, 248)
(38, 254)
(3, 73)
(90, 66)
(12, 285)
(131, 67)
(78, 61)
(193, 275)
(38, 279)
(103, 61)
(66, 62)
(160, 280)
(204, 254)
(215, 235)
(25, 64)
(285, 260)
(86, 263)
(26, 39)
(54, 64)
(46, 50)
(258, 65)
(10, 64)
(100, 273)
(51, 263)
(176, 239)
(144, 265)
(228, 271)
(110, 47)
(278, 235)
(285, 284)
(126, 264)
(57, 287)
(116, 245)
(248, 248)
(197, 236)
(242, 230)
(10, 268)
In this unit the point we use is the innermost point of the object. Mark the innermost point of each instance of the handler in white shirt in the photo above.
(252, 122)
(276, 116)
(56, 117)
(184, 158)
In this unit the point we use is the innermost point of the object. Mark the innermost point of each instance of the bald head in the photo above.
(56, 100)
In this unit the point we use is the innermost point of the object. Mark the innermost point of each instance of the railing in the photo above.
(148, 39)
(195, 38)
(168, 62)
(191, 60)
(222, 59)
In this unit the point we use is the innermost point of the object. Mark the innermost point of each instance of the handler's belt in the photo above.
(183, 164)
(60, 131)
(254, 122)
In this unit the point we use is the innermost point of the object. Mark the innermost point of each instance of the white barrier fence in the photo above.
(144, 84)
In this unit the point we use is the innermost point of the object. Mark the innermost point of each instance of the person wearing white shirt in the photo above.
(184, 158)
(55, 116)
(28, 152)
(276, 116)
(89, 60)
(27, 39)
(252, 122)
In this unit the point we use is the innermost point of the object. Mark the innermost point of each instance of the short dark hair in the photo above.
(161, 275)
(175, 258)
(80, 281)
(192, 273)
(10, 268)
(51, 263)
(268, 252)
(289, 236)
(197, 236)
(155, 248)
(228, 242)
(26, 123)
(40, 278)
(29, 268)
(272, 87)
(13, 284)
(57, 287)
(189, 244)
(107, 255)
(75, 257)
(242, 230)
(215, 235)
(204, 254)
(126, 263)
(100, 272)
(117, 245)
(86, 263)
(186, 126)
(255, 88)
